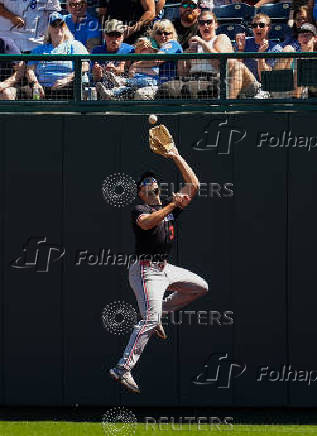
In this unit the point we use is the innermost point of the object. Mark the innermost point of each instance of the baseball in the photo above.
(152, 119)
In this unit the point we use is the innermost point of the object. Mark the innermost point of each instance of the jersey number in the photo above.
(171, 231)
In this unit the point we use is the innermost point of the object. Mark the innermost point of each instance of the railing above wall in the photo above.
(278, 85)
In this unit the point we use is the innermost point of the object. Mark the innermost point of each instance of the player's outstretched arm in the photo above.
(191, 181)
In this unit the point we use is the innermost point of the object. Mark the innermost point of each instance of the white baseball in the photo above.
(152, 119)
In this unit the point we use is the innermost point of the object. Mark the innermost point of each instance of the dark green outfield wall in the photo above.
(256, 248)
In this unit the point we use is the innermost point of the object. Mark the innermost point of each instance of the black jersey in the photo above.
(158, 240)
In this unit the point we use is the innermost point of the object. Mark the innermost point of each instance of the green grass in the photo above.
(52, 428)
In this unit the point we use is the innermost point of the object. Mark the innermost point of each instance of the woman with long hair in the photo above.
(54, 79)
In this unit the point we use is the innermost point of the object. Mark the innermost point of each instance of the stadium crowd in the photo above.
(150, 26)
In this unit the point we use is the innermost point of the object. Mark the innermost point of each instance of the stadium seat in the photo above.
(277, 12)
(277, 80)
(279, 32)
(306, 72)
(171, 11)
(238, 12)
(231, 30)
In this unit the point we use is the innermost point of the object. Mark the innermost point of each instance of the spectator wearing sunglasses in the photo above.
(114, 34)
(164, 36)
(200, 78)
(83, 26)
(187, 24)
(258, 43)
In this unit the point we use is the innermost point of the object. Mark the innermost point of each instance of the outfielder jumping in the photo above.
(153, 223)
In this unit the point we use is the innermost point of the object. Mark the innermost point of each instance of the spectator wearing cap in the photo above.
(114, 34)
(307, 39)
(259, 43)
(301, 16)
(137, 15)
(83, 26)
(54, 79)
(187, 24)
(26, 22)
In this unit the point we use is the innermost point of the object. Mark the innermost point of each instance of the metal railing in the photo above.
(303, 73)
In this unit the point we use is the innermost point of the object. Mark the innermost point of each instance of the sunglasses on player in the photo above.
(202, 22)
(155, 191)
(189, 5)
(260, 25)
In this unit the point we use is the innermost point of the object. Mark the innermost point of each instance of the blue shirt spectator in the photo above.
(83, 26)
(252, 46)
(114, 33)
(165, 38)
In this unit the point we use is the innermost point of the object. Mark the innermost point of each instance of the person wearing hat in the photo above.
(114, 34)
(54, 79)
(307, 39)
(83, 26)
(152, 275)
(187, 24)
(26, 22)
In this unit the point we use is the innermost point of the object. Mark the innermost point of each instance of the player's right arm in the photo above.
(148, 221)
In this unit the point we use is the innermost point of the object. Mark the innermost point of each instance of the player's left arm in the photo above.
(191, 181)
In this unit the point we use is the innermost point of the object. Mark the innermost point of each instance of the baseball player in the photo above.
(153, 223)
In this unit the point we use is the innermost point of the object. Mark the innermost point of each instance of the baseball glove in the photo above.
(161, 141)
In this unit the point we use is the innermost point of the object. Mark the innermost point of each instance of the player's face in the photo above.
(150, 194)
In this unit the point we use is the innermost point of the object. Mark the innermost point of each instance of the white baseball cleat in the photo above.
(125, 378)
(159, 331)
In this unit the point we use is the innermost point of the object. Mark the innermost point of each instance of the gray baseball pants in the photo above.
(149, 283)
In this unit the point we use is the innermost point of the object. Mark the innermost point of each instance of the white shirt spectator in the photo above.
(35, 14)
(204, 65)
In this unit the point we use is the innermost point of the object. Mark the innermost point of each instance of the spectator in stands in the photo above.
(307, 39)
(26, 22)
(203, 74)
(187, 24)
(137, 15)
(165, 38)
(83, 26)
(54, 79)
(143, 77)
(114, 34)
(301, 16)
(259, 43)
(10, 72)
